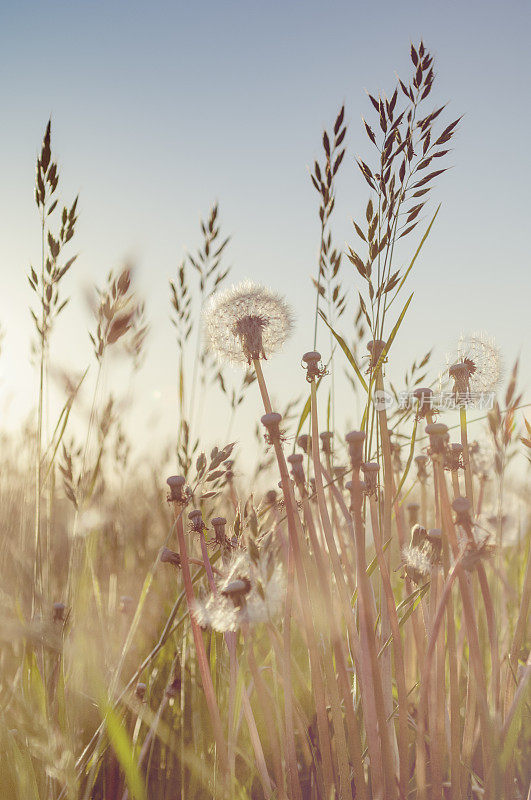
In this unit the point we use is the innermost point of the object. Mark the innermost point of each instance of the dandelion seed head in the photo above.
(247, 322)
(475, 365)
(417, 563)
(264, 585)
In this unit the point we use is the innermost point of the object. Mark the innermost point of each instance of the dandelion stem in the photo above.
(204, 670)
(230, 640)
(262, 385)
(400, 674)
(466, 456)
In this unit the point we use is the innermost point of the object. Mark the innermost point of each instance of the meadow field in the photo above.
(345, 618)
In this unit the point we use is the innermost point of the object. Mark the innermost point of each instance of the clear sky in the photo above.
(160, 108)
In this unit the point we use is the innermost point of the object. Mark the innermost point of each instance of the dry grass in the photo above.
(359, 632)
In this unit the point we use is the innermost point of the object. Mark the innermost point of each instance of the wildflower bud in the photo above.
(312, 362)
(170, 557)
(271, 496)
(126, 604)
(425, 401)
(140, 691)
(229, 476)
(305, 443)
(421, 462)
(375, 348)
(196, 520)
(236, 590)
(370, 471)
(355, 441)
(462, 507)
(271, 422)
(176, 484)
(326, 441)
(297, 469)
(438, 433)
(58, 612)
(413, 512)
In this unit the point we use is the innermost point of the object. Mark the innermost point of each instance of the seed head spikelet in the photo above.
(247, 322)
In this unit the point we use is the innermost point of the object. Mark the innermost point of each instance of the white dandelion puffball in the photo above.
(476, 364)
(247, 322)
(416, 561)
(263, 598)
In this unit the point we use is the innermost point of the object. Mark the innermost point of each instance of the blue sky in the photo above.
(159, 109)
